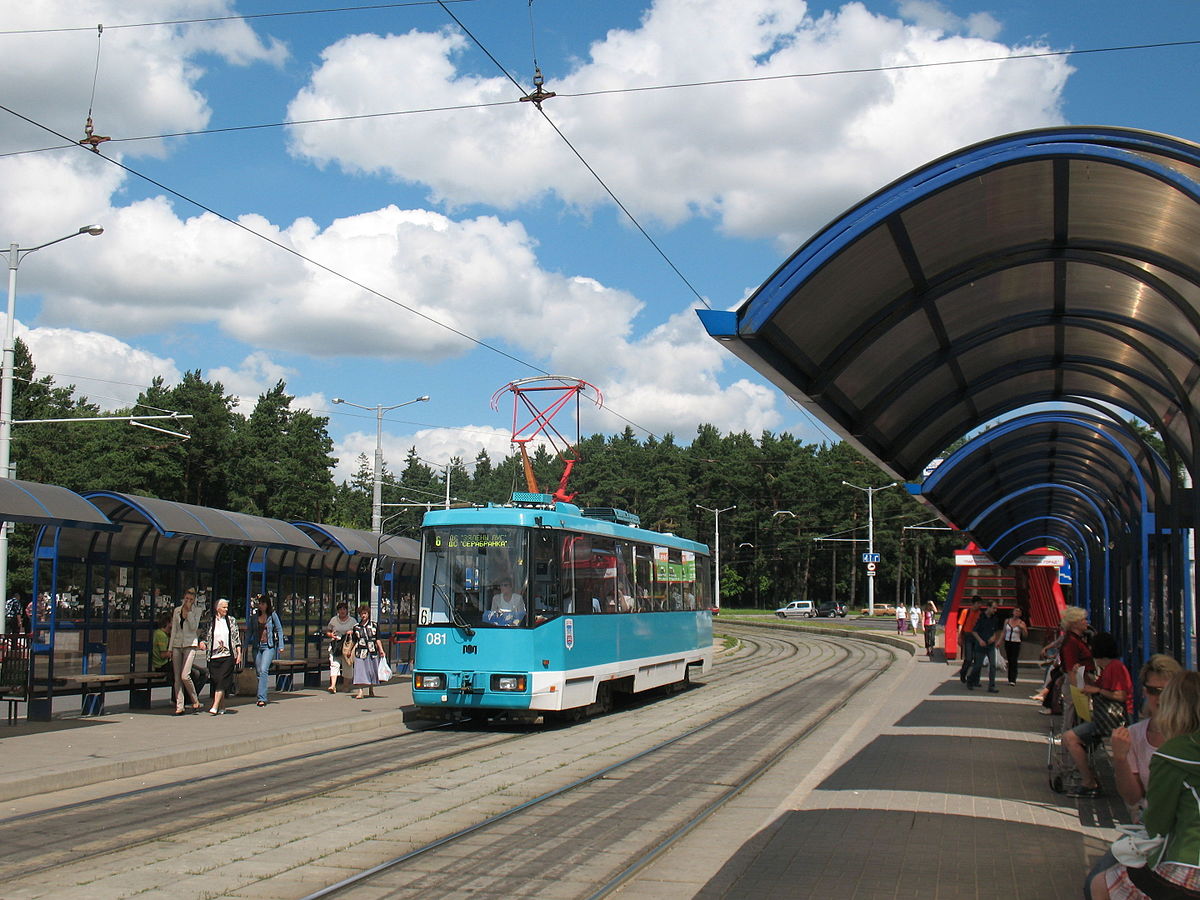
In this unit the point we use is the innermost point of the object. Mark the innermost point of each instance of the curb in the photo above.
(33, 781)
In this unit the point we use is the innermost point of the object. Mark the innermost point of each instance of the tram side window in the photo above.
(600, 575)
(623, 589)
(687, 574)
(581, 595)
(703, 583)
(643, 578)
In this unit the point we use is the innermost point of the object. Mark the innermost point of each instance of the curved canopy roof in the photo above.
(1034, 268)
(169, 530)
(340, 546)
(48, 504)
(1071, 478)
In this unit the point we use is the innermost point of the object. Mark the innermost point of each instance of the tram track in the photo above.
(428, 774)
(40, 840)
(673, 774)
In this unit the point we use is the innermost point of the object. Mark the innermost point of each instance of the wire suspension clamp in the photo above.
(537, 95)
(92, 140)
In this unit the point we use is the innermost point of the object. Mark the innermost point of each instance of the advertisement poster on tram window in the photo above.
(662, 565)
(688, 567)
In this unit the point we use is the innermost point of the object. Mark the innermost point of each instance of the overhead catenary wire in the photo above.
(616, 200)
(96, 71)
(291, 250)
(203, 20)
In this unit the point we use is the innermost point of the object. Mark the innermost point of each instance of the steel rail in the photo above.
(366, 875)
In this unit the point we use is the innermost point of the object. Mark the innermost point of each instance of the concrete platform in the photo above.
(72, 751)
(918, 788)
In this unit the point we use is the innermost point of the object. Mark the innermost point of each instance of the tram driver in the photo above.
(507, 607)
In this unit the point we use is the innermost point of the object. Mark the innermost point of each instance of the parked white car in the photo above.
(797, 609)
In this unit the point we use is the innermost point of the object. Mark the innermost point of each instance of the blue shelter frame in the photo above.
(1053, 269)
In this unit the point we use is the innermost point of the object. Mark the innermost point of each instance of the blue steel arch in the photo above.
(867, 324)
(950, 470)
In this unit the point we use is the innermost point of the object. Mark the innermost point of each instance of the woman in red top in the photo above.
(1114, 683)
(1075, 650)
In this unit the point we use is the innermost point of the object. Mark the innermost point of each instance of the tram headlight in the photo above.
(427, 682)
(508, 683)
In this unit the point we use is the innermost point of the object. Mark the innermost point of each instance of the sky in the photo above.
(357, 202)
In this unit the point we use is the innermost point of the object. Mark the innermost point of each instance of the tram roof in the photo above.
(1039, 269)
(563, 515)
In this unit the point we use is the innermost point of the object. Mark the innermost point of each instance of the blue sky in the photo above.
(482, 218)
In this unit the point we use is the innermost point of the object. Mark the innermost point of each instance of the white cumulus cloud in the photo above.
(768, 158)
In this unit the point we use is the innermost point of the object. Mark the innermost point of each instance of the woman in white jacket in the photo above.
(185, 640)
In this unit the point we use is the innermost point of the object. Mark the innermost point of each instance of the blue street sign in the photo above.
(871, 557)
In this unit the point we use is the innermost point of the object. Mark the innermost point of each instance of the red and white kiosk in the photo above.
(1030, 581)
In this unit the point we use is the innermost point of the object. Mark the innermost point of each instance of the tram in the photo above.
(539, 609)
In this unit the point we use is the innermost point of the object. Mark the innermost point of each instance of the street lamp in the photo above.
(377, 482)
(377, 488)
(717, 549)
(870, 492)
(15, 255)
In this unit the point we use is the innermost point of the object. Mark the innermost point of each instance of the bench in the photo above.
(285, 672)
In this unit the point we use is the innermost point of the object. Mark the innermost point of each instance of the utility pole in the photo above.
(716, 549)
(871, 492)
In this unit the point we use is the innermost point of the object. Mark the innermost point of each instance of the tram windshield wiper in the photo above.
(456, 618)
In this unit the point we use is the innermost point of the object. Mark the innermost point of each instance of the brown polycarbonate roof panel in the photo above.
(48, 504)
(963, 221)
(1026, 250)
(201, 523)
(841, 295)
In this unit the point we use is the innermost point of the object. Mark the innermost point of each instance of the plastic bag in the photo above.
(1135, 846)
(385, 671)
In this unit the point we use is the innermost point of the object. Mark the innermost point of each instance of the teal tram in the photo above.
(539, 610)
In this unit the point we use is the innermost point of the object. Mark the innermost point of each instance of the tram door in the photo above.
(543, 576)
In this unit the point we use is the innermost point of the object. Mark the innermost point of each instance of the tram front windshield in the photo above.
(474, 576)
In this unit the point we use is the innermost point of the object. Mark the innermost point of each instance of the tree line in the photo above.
(796, 531)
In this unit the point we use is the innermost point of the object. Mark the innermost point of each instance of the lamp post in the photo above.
(716, 550)
(377, 481)
(871, 492)
(15, 255)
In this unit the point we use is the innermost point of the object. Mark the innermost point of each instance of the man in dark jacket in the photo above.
(985, 636)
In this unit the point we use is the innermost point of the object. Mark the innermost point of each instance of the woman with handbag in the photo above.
(265, 637)
(1111, 692)
(339, 628)
(1015, 631)
(368, 651)
(1172, 867)
(224, 654)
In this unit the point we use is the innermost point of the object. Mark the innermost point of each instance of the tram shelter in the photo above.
(1053, 271)
(99, 594)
